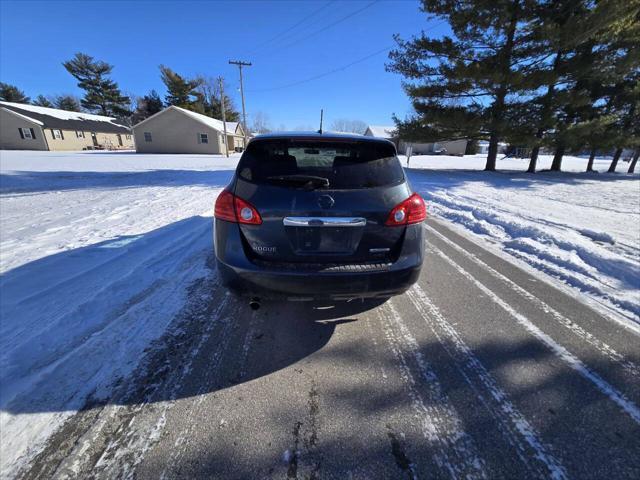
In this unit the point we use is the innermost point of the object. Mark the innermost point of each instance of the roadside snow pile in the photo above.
(97, 252)
(582, 229)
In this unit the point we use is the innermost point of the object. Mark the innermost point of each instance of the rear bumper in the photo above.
(240, 274)
(318, 285)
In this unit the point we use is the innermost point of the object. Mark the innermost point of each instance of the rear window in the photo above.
(345, 165)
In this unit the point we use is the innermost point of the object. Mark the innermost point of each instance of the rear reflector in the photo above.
(411, 210)
(232, 208)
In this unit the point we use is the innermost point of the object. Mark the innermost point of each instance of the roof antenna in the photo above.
(321, 112)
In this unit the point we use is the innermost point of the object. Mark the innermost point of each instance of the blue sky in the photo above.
(200, 37)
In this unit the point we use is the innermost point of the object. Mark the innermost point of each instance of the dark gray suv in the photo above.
(319, 216)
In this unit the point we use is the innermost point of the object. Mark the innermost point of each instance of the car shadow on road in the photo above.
(242, 344)
(72, 319)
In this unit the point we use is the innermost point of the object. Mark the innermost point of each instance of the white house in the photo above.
(388, 132)
(176, 130)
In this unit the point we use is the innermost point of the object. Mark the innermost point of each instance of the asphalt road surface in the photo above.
(479, 371)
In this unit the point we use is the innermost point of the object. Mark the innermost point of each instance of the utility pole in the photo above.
(241, 64)
(224, 116)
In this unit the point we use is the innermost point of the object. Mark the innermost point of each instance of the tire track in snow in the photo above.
(561, 352)
(516, 429)
(455, 452)
(605, 349)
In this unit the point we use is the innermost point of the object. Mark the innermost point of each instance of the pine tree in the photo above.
(634, 161)
(181, 91)
(624, 94)
(626, 100)
(68, 103)
(43, 101)
(480, 69)
(575, 104)
(11, 93)
(214, 109)
(557, 26)
(102, 94)
(598, 45)
(146, 106)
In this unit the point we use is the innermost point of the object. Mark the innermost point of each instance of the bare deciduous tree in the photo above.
(260, 123)
(208, 93)
(350, 126)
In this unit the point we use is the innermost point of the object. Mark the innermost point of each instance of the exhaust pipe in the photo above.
(254, 303)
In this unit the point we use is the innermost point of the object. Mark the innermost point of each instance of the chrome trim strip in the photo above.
(324, 221)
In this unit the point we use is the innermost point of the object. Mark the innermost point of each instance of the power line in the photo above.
(335, 70)
(326, 27)
(297, 24)
(338, 69)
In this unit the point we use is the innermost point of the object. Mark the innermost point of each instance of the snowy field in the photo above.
(98, 249)
(581, 229)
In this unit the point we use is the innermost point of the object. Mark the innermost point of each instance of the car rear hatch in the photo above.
(321, 201)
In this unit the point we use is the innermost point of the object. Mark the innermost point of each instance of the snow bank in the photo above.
(582, 229)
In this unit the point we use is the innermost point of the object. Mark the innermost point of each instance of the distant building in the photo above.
(483, 147)
(176, 130)
(452, 147)
(29, 127)
(388, 132)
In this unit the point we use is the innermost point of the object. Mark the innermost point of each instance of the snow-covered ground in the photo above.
(97, 250)
(581, 229)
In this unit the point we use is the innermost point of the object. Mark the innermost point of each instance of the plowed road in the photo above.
(479, 371)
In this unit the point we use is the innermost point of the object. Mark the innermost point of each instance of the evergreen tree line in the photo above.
(103, 95)
(563, 75)
(10, 93)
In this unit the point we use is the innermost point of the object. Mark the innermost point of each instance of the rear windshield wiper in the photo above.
(303, 180)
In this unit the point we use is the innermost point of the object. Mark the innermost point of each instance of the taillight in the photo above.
(224, 207)
(411, 210)
(246, 212)
(234, 209)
